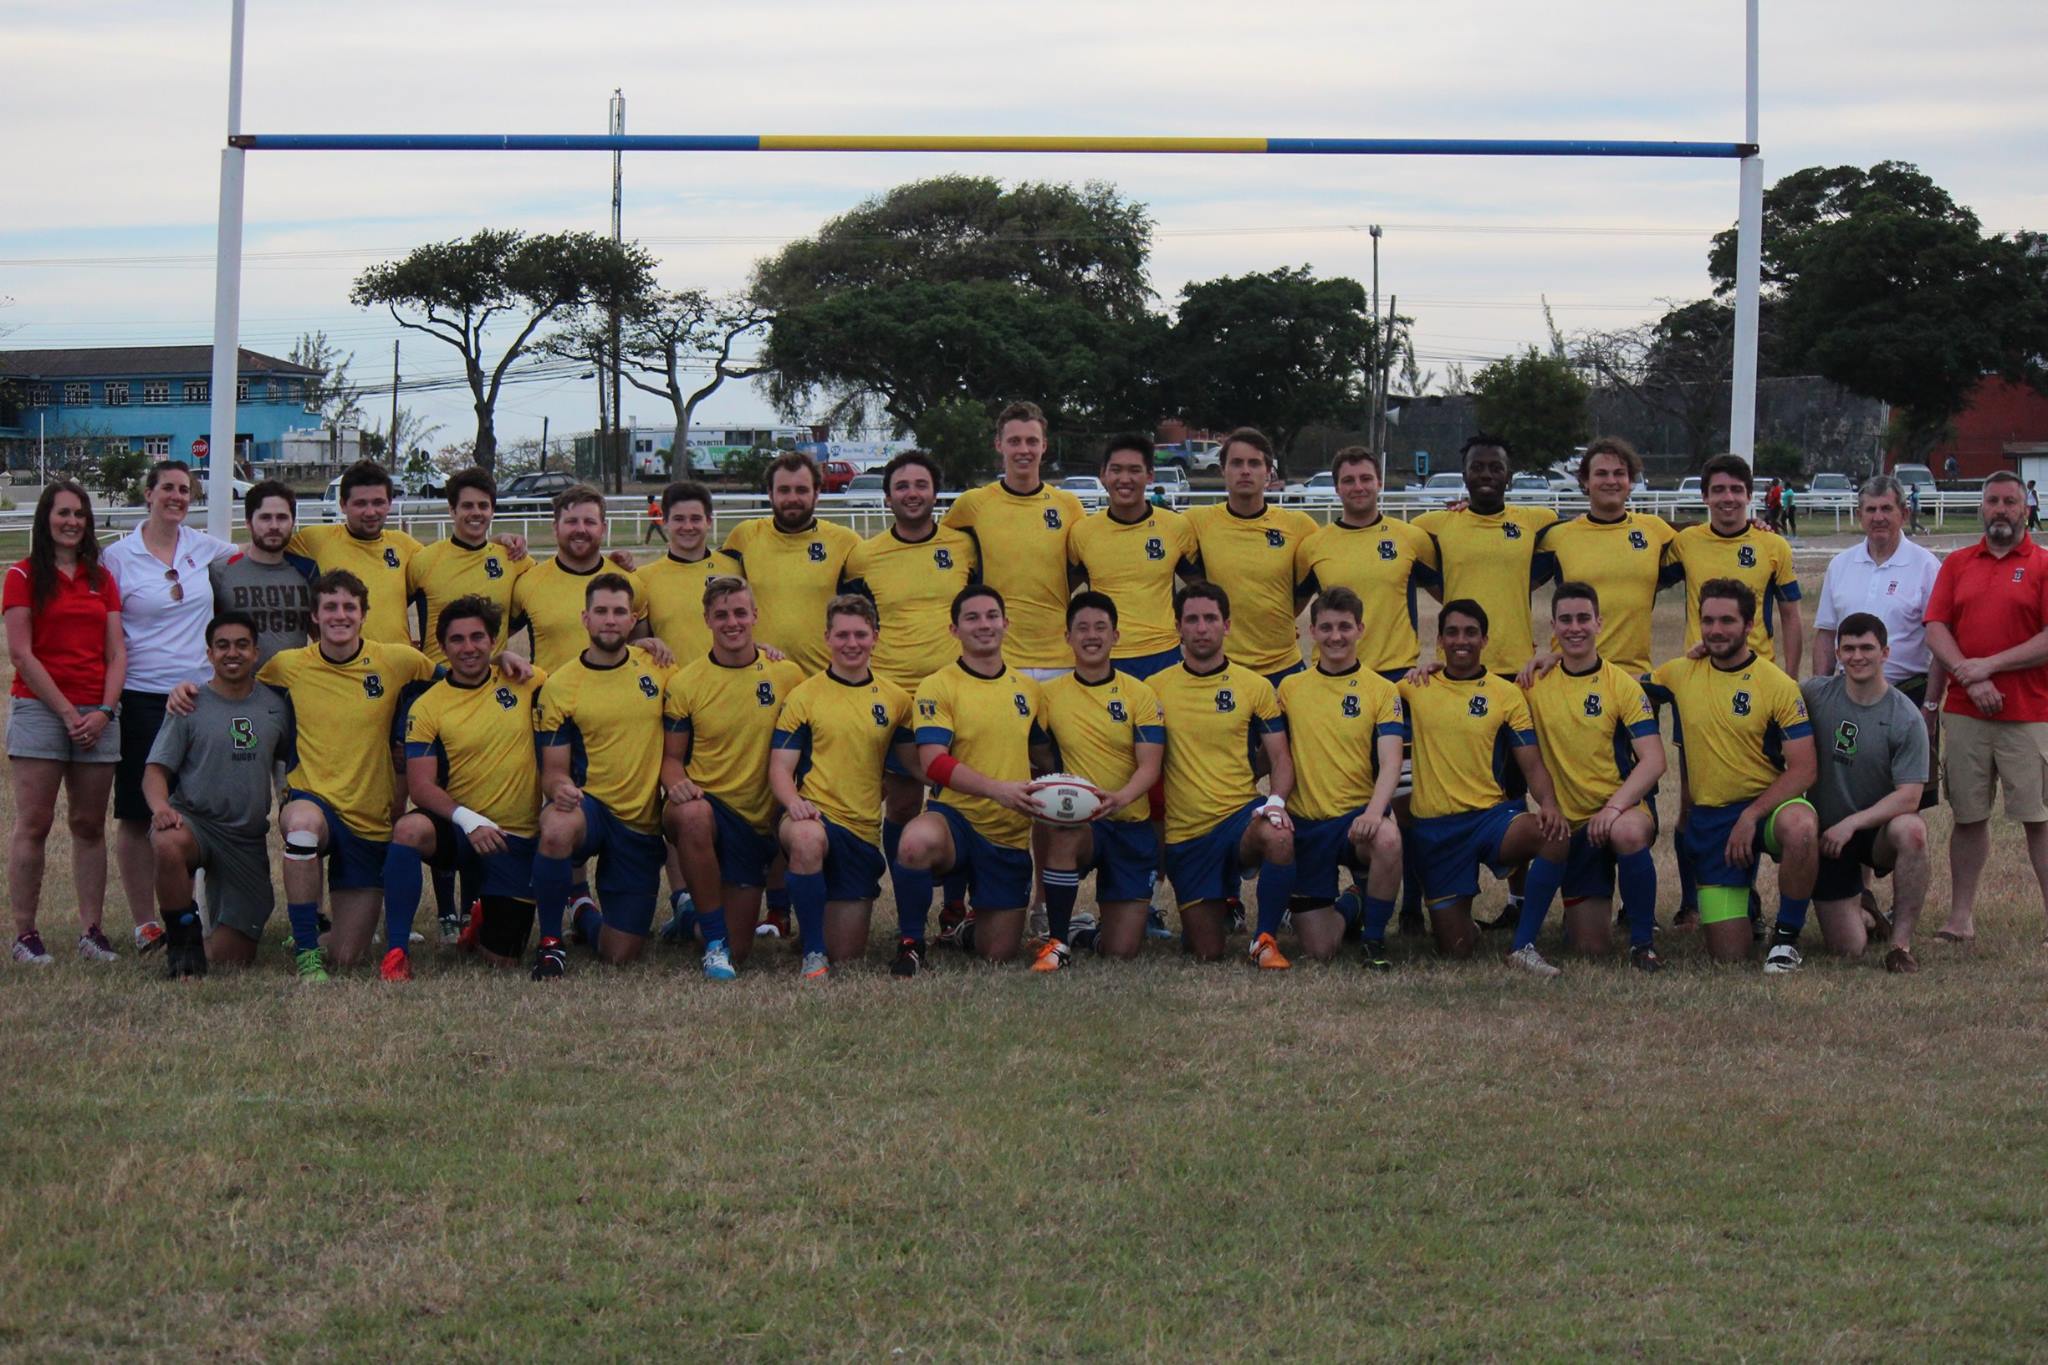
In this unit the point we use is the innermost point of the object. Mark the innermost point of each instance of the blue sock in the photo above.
(402, 876)
(807, 891)
(589, 922)
(305, 918)
(711, 924)
(913, 888)
(550, 893)
(581, 890)
(780, 898)
(1688, 877)
(1062, 886)
(956, 888)
(1791, 916)
(1276, 888)
(1637, 873)
(1538, 890)
(1379, 911)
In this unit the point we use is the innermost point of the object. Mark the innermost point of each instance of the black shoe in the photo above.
(1646, 959)
(909, 958)
(550, 962)
(1376, 959)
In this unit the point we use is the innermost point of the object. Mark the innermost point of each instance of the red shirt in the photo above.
(68, 633)
(1991, 604)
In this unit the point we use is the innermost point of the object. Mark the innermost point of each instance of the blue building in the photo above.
(154, 399)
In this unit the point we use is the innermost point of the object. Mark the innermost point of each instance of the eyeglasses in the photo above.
(177, 588)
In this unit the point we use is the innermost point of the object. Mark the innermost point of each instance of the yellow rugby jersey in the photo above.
(482, 739)
(794, 574)
(1334, 723)
(1733, 725)
(548, 603)
(1622, 561)
(1385, 562)
(348, 716)
(1762, 559)
(989, 724)
(1586, 728)
(842, 733)
(1022, 542)
(609, 718)
(1252, 559)
(1213, 723)
(1492, 560)
(1464, 731)
(1097, 728)
(729, 716)
(1135, 563)
(380, 562)
(912, 584)
(449, 569)
(673, 591)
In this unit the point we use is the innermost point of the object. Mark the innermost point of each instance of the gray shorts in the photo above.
(238, 888)
(35, 731)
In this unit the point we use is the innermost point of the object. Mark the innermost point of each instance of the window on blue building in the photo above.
(116, 391)
(198, 391)
(155, 391)
(77, 395)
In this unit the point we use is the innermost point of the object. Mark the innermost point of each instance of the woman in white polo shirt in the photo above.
(166, 601)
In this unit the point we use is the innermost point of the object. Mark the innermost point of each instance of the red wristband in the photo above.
(940, 770)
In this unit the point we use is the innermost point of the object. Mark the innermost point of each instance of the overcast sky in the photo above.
(116, 126)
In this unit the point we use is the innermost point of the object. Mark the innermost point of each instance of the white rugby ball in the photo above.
(1064, 799)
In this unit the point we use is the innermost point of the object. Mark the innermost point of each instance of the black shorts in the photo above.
(1841, 879)
(142, 715)
(508, 924)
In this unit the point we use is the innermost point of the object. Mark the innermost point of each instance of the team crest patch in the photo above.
(816, 552)
(1351, 705)
(242, 734)
(881, 715)
(1845, 739)
(1387, 550)
(493, 569)
(1276, 540)
(1226, 700)
(1116, 712)
(943, 558)
(390, 557)
(764, 694)
(1746, 556)
(1023, 706)
(1512, 531)
(1638, 541)
(1476, 706)
(2019, 575)
(1052, 518)
(506, 698)
(373, 686)
(1741, 700)
(1155, 548)
(647, 687)
(1593, 704)
(927, 710)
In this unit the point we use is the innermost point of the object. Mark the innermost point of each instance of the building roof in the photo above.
(117, 361)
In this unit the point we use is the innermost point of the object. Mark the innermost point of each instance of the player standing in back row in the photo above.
(1487, 552)
(1247, 547)
(1133, 551)
(792, 560)
(1384, 561)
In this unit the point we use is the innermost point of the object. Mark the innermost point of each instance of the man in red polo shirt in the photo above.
(1987, 621)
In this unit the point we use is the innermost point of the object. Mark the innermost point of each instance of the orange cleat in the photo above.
(396, 966)
(1266, 953)
(1052, 955)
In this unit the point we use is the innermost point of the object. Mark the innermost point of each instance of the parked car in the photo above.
(1440, 489)
(1200, 457)
(1318, 490)
(865, 490)
(1088, 489)
(533, 492)
(1915, 476)
(1828, 492)
(1527, 488)
(837, 475)
(1689, 489)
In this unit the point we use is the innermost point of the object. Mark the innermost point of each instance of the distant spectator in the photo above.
(1774, 506)
(1790, 509)
(655, 530)
(63, 614)
(2033, 508)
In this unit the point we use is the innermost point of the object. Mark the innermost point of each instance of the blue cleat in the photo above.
(718, 962)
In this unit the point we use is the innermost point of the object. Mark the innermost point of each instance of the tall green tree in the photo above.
(337, 400)
(1276, 350)
(956, 287)
(1537, 401)
(457, 291)
(1679, 365)
(1890, 288)
(956, 434)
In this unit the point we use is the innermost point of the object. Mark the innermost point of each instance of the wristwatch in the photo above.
(1930, 706)
(103, 709)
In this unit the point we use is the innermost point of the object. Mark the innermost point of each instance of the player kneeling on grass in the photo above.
(977, 724)
(1218, 827)
(212, 774)
(1345, 728)
(1748, 761)
(470, 770)
(598, 728)
(833, 735)
(1466, 723)
(719, 716)
(1872, 755)
(1600, 745)
(1105, 726)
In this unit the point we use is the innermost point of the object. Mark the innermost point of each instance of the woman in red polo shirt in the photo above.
(63, 617)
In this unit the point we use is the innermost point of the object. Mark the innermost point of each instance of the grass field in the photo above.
(1162, 1159)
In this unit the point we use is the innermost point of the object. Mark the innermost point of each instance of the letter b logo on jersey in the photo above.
(1511, 531)
(881, 715)
(764, 694)
(1023, 706)
(1225, 701)
(1593, 704)
(1387, 549)
(816, 552)
(390, 557)
(506, 698)
(1476, 706)
(1350, 706)
(1276, 540)
(1155, 548)
(1746, 556)
(242, 734)
(943, 558)
(1741, 700)
(647, 687)
(1117, 712)
(1638, 541)
(1052, 518)
(373, 686)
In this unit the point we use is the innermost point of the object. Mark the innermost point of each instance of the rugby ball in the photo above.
(1064, 799)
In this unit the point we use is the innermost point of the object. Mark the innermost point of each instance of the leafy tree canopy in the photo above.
(1537, 402)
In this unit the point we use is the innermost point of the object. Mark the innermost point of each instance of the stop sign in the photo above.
(198, 447)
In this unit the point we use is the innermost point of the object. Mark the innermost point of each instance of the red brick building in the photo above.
(2004, 427)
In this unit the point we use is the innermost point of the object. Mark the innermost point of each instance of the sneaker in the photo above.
(718, 962)
(1155, 923)
(1266, 953)
(774, 924)
(952, 915)
(1376, 958)
(312, 964)
(817, 967)
(1646, 959)
(451, 930)
(1082, 932)
(1529, 960)
(396, 966)
(1052, 955)
(149, 937)
(550, 960)
(93, 946)
(1782, 957)
(1234, 907)
(29, 949)
(909, 958)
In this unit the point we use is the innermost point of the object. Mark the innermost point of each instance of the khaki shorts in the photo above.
(1978, 756)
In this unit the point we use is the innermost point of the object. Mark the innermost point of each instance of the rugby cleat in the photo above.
(1266, 953)
(1645, 959)
(550, 960)
(1375, 958)
(774, 924)
(816, 967)
(396, 966)
(472, 928)
(718, 962)
(1155, 923)
(311, 965)
(909, 958)
(952, 916)
(1782, 958)
(1529, 960)
(1083, 932)
(1052, 955)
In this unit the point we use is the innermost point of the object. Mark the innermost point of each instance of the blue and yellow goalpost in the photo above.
(228, 278)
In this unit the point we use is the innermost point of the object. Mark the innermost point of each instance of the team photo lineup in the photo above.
(986, 707)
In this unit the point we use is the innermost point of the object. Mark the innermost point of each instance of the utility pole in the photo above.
(1385, 326)
(1378, 344)
(391, 454)
(618, 129)
(543, 443)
